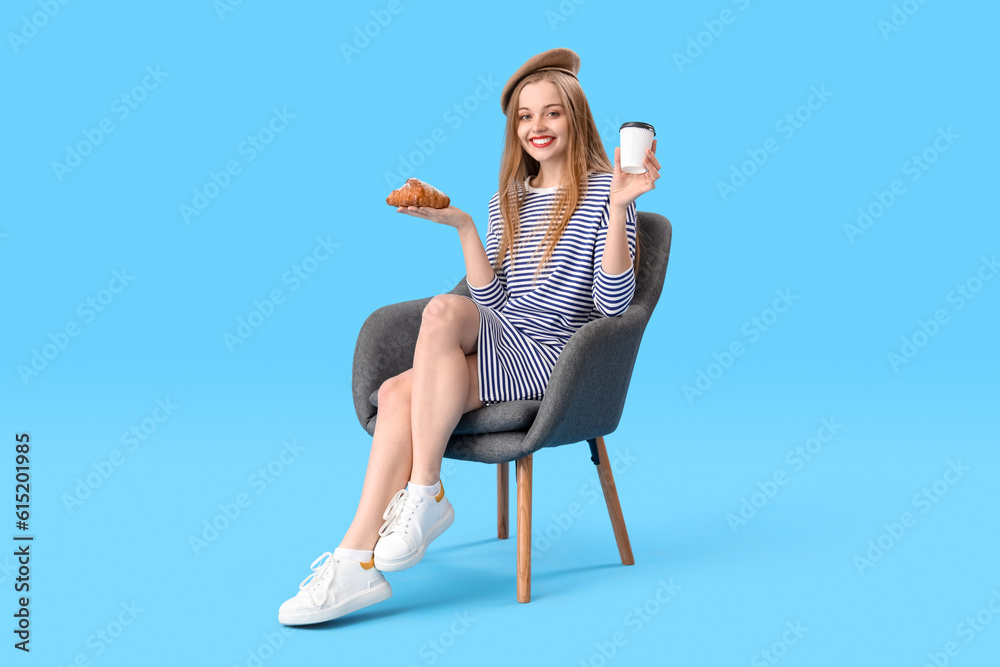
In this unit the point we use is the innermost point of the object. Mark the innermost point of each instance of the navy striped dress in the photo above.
(524, 327)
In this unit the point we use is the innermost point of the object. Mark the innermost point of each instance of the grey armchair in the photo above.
(583, 400)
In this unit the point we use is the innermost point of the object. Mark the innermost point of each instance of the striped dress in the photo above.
(524, 327)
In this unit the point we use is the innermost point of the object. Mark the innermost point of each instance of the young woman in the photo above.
(563, 203)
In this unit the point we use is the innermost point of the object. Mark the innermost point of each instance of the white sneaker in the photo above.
(336, 587)
(413, 521)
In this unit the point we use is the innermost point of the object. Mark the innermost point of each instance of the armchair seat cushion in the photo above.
(496, 418)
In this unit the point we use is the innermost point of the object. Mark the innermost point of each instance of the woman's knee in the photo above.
(453, 315)
(396, 389)
(442, 309)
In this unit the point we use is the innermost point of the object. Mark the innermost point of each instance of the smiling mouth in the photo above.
(542, 142)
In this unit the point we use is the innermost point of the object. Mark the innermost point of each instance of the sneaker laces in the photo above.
(319, 574)
(400, 511)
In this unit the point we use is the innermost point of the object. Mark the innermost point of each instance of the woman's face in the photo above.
(540, 115)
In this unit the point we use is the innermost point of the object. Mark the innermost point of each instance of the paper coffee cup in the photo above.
(635, 139)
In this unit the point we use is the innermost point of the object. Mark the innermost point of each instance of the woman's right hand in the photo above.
(451, 216)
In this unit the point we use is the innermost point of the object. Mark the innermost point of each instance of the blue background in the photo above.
(685, 463)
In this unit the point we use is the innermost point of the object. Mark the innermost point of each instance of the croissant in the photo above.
(417, 193)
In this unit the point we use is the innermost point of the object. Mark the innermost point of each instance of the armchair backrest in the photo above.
(655, 233)
(589, 383)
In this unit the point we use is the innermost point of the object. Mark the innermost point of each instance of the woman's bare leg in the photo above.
(441, 380)
(390, 463)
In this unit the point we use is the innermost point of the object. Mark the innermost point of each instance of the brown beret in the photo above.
(564, 60)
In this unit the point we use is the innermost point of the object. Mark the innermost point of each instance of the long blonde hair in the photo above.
(584, 154)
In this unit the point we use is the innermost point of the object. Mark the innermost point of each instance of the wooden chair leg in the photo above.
(614, 507)
(523, 469)
(503, 499)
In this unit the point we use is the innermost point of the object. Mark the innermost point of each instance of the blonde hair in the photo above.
(584, 154)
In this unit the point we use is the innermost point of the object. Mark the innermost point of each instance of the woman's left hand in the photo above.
(626, 187)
